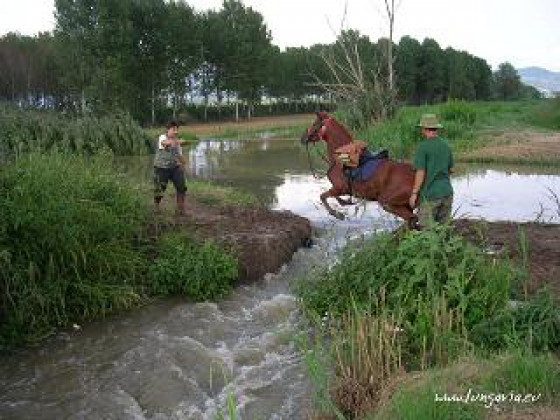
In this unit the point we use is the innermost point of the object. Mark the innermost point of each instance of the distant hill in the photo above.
(543, 79)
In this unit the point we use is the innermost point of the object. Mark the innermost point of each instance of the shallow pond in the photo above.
(278, 172)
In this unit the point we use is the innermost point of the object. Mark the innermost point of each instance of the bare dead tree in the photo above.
(390, 10)
(368, 92)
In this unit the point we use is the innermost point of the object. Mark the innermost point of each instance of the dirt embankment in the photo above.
(255, 123)
(542, 244)
(531, 146)
(262, 239)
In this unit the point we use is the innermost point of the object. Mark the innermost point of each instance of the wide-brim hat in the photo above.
(429, 121)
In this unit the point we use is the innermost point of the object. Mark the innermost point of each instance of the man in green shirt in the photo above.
(432, 191)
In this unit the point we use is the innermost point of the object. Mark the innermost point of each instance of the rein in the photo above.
(311, 168)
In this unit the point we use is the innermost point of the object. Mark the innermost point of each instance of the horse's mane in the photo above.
(339, 131)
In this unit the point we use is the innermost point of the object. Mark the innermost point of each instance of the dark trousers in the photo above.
(162, 176)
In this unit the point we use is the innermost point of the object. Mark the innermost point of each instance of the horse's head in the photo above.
(313, 132)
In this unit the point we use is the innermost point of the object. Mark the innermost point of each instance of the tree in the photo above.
(248, 49)
(406, 69)
(183, 45)
(460, 84)
(431, 72)
(391, 87)
(507, 83)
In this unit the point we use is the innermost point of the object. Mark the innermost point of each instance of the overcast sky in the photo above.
(523, 32)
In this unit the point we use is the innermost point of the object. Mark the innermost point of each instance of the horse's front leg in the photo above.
(331, 193)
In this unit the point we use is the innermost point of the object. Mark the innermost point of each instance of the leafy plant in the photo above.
(23, 131)
(435, 283)
(198, 270)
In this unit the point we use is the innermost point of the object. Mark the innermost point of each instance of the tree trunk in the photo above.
(154, 107)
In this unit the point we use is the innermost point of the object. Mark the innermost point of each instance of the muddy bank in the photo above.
(262, 239)
(543, 244)
(528, 145)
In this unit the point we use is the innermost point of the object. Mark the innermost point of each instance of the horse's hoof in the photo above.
(339, 215)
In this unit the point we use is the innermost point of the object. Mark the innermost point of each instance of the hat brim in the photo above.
(430, 126)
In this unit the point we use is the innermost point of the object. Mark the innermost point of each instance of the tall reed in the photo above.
(66, 243)
(26, 130)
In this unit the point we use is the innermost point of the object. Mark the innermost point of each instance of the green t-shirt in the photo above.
(435, 157)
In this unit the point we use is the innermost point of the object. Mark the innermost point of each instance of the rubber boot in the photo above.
(180, 204)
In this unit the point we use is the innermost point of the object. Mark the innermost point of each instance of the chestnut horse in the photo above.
(390, 186)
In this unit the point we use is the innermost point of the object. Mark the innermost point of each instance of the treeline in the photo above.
(154, 58)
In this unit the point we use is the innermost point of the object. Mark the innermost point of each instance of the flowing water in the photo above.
(178, 360)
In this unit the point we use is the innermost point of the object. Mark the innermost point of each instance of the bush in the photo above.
(435, 284)
(66, 243)
(197, 270)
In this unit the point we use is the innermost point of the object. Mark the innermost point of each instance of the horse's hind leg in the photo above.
(405, 213)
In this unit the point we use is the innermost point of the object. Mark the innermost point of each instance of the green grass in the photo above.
(509, 382)
(212, 194)
(546, 114)
(463, 122)
(419, 302)
(435, 285)
(185, 266)
(74, 246)
(184, 134)
(254, 132)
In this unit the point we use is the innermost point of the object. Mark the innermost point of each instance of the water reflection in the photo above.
(498, 195)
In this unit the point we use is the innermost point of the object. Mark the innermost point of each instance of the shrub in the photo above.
(435, 285)
(198, 270)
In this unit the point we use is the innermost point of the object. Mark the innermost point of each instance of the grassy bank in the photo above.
(389, 309)
(472, 126)
(478, 388)
(74, 246)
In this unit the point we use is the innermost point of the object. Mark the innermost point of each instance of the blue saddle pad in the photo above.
(368, 165)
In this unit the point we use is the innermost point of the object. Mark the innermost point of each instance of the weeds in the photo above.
(208, 193)
(200, 271)
(474, 389)
(24, 131)
(59, 266)
(462, 121)
(436, 284)
(418, 302)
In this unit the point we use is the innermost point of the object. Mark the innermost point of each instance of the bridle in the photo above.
(311, 168)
